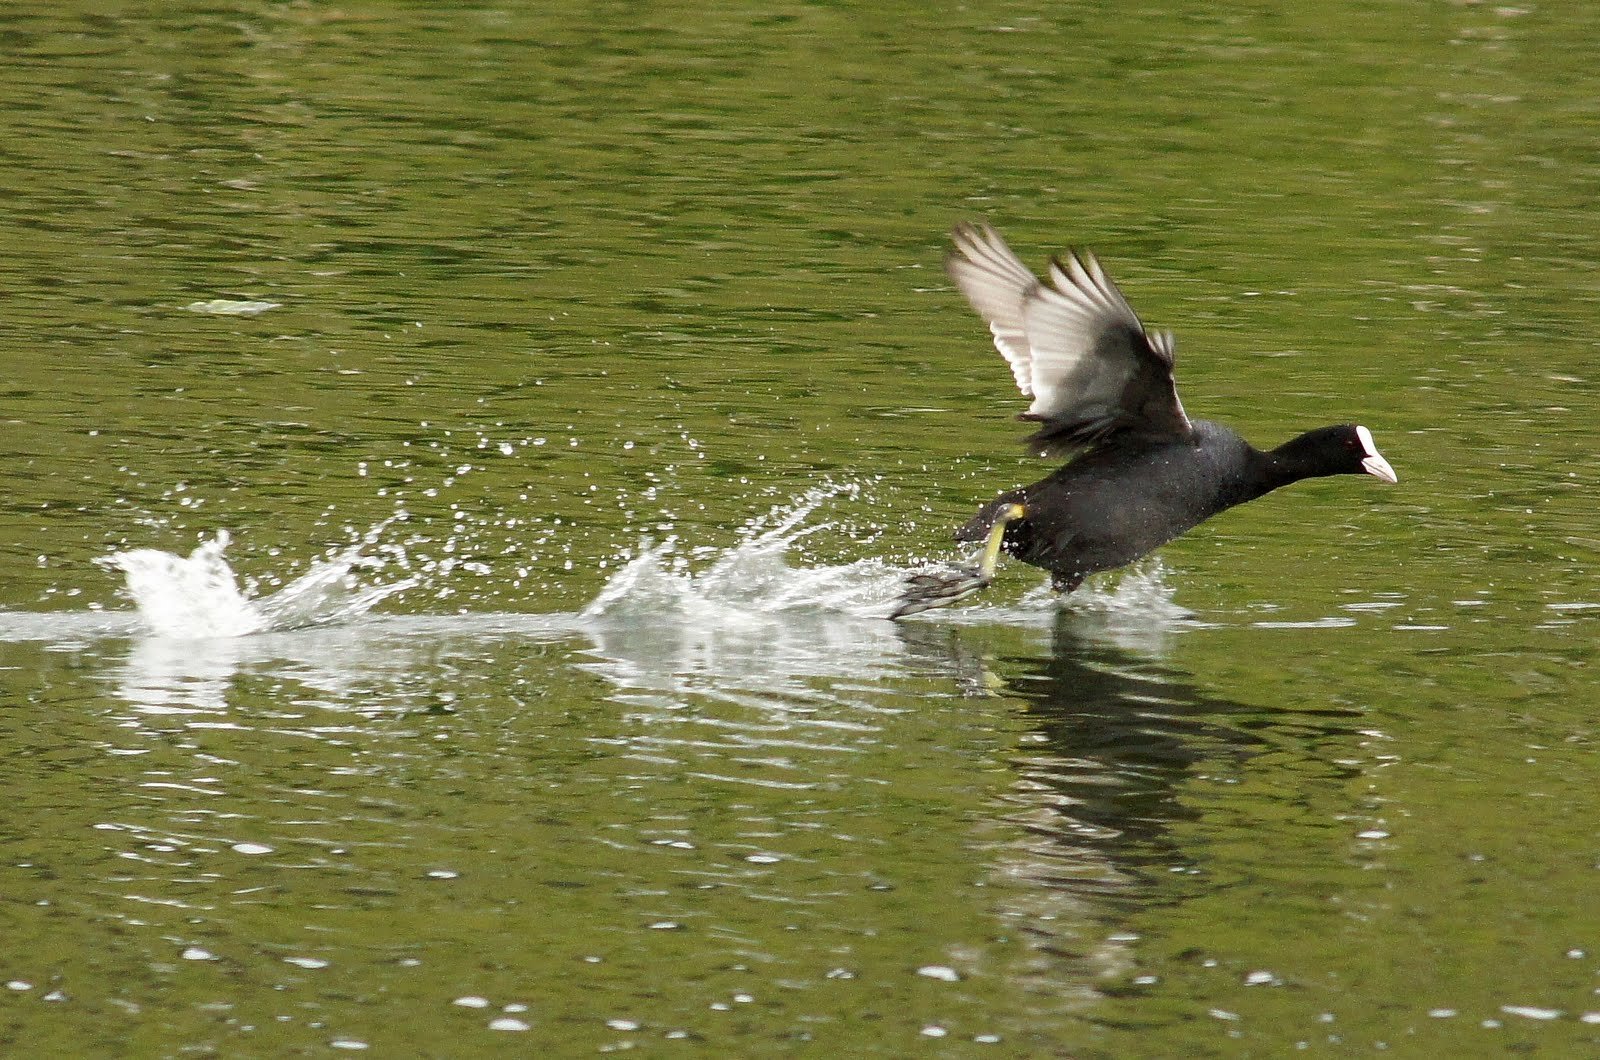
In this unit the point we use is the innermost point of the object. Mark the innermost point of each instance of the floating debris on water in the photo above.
(227, 307)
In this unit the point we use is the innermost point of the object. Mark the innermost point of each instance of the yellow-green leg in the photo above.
(990, 557)
(939, 588)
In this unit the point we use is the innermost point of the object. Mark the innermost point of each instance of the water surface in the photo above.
(574, 384)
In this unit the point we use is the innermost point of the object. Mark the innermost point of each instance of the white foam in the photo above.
(191, 597)
(198, 596)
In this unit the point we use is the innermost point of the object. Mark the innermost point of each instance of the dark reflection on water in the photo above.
(1118, 734)
(1116, 741)
(1115, 735)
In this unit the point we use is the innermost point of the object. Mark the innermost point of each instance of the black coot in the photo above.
(1102, 389)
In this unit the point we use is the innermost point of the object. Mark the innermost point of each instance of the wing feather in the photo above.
(1074, 344)
(996, 282)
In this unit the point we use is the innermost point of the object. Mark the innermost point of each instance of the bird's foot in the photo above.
(937, 588)
(926, 590)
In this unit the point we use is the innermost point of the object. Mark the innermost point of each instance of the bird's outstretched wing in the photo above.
(1074, 344)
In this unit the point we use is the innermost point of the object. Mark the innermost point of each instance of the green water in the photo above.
(553, 280)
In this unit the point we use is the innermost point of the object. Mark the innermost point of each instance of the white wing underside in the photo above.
(1073, 343)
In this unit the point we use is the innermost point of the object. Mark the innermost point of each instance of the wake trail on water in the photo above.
(755, 582)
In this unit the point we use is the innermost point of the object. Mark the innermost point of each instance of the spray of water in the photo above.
(198, 595)
(189, 596)
(750, 585)
(753, 577)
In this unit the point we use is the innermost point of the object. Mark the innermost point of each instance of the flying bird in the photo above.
(1141, 471)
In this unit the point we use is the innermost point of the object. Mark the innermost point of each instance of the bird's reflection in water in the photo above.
(1114, 742)
(1113, 738)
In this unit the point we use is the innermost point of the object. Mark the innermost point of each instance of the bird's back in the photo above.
(1119, 501)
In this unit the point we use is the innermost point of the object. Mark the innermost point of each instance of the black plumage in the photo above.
(1103, 391)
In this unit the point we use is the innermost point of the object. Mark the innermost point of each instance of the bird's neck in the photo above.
(1292, 461)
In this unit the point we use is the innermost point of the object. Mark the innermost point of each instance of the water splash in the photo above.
(1140, 592)
(757, 577)
(754, 576)
(343, 586)
(1136, 609)
(751, 586)
(193, 596)
(748, 621)
(198, 596)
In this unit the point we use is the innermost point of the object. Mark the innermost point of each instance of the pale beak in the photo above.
(1378, 467)
(1372, 462)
